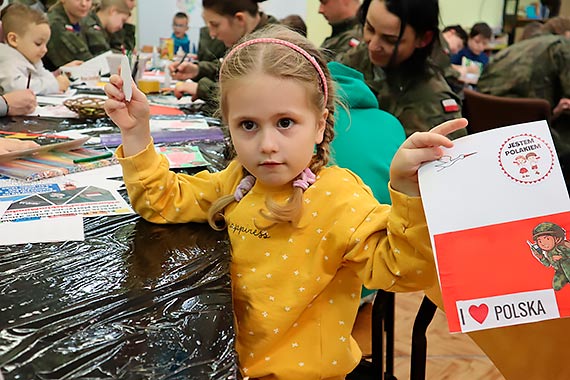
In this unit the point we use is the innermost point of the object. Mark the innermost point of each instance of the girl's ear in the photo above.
(425, 39)
(12, 39)
(321, 126)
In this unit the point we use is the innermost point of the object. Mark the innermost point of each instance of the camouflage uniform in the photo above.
(97, 37)
(208, 73)
(124, 39)
(538, 67)
(67, 41)
(561, 266)
(209, 49)
(441, 58)
(345, 35)
(419, 104)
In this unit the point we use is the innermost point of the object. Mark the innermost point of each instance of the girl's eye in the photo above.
(285, 123)
(248, 125)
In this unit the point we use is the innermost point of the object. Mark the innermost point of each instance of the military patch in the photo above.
(96, 27)
(353, 42)
(449, 105)
(69, 27)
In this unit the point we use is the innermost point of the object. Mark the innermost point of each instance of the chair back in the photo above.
(486, 112)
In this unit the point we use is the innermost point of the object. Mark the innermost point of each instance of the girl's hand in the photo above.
(419, 148)
(62, 82)
(131, 117)
(127, 115)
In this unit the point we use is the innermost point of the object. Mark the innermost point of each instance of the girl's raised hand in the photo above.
(419, 148)
(127, 115)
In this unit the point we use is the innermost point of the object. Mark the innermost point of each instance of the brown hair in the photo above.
(281, 62)
(231, 7)
(17, 18)
(120, 5)
(557, 25)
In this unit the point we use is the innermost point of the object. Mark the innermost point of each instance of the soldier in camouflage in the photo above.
(538, 67)
(552, 250)
(394, 61)
(125, 39)
(209, 49)
(346, 28)
(106, 18)
(238, 17)
(67, 42)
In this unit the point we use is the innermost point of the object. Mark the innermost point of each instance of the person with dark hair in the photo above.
(399, 37)
(296, 23)
(451, 40)
(227, 21)
(209, 49)
(473, 55)
(179, 29)
(346, 29)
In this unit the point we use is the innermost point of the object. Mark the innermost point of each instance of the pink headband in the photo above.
(298, 49)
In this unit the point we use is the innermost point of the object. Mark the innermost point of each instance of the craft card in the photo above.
(47, 142)
(183, 156)
(126, 76)
(498, 210)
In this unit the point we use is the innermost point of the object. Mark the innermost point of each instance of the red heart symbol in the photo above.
(479, 313)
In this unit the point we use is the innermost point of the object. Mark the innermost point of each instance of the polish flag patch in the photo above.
(450, 105)
(353, 42)
(96, 27)
(69, 27)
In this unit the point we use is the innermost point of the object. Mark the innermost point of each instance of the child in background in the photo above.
(304, 235)
(179, 29)
(472, 58)
(26, 32)
(106, 18)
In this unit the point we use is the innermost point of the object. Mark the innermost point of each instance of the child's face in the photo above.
(33, 43)
(546, 242)
(454, 41)
(77, 9)
(274, 127)
(381, 31)
(179, 26)
(226, 29)
(116, 21)
(478, 44)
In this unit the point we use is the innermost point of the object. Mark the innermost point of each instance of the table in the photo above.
(135, 300)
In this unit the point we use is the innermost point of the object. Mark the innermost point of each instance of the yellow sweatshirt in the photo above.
(296, 289)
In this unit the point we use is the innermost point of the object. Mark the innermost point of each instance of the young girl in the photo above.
(227, 21)
(27, 33)
(304, 236)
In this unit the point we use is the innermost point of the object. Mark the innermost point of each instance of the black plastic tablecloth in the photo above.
(135, 300)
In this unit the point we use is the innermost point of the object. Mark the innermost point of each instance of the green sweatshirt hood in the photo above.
(352, 89)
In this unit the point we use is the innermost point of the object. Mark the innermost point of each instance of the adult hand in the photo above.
(11, 145)
(562, 107)
(186, 88)
(420, 147)
(20, 102)
(184, 70)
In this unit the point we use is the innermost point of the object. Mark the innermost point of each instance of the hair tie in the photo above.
(244, 187)
(306, 179)
(290, 45)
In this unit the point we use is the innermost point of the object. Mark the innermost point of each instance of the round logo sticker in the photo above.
(526, 158)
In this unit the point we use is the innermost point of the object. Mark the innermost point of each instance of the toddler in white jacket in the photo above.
(26, 33)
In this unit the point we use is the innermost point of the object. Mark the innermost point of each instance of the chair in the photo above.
(425, 315)
(486, 112)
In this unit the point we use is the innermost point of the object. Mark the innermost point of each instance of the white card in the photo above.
(127, 78)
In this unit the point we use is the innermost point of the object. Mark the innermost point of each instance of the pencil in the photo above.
(93, 158)
(182, 60)
(29, 79)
